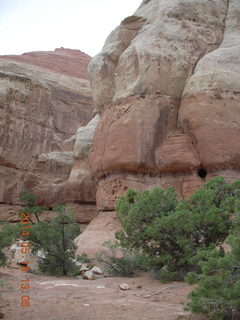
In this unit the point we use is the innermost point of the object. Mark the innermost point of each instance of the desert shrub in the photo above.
(175, 235)
(118, 261)
(56, 240)
(218, 292)
(121, 262)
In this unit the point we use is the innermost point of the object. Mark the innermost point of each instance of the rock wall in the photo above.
(40, 112)
(80, 188)
(167, 86)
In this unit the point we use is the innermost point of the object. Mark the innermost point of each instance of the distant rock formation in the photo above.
(68, 62)
(40, 112)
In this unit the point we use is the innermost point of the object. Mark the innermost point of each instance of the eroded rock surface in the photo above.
(40, 112)
(101, 229)
(167, 86)
(67, 62)
(210, 107)
(80, 188)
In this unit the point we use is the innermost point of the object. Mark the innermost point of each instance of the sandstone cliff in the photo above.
(167, 87)
(80, 188)
(40, 112)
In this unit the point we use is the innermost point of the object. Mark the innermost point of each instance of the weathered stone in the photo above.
(97, 270)
(22, 253)
(124, 286)
(88, 275)
(40, 112)
(9, 213)
(167, 87)
(156, 49)
(84, 139)
(84, 212)
(113, 186)
(80, 185)
(80, 188)
(209, 109)
(100, 229)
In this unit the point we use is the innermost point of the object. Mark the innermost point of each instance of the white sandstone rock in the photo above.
(124, 286)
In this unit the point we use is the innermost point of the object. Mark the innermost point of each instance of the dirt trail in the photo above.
(72, 299)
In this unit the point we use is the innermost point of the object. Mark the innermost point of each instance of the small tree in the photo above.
(29, 201)
(55, 239)
(174, 234)
(218, 293)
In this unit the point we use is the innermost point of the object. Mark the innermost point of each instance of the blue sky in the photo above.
(36, 25)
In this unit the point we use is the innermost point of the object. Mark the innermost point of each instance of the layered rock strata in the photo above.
(80, 188)
(68, 62)
(167, 86)
(40, 112)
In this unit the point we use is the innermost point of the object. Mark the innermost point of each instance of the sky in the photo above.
(43, 25)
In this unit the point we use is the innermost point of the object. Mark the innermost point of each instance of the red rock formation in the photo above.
(167, 86)
(72, 63)
(80, 188)
(40, 112)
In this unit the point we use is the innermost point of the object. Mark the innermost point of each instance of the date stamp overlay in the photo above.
(25, 300)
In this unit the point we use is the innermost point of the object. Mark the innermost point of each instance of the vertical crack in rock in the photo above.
(225, 19)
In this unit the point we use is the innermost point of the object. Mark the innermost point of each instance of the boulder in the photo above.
(124, 286)
(100, 229)
(88, 275)
(97, 270)
(83, 267)
(22, 254)
(91, 274)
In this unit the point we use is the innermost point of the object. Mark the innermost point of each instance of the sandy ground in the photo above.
(72, 299)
